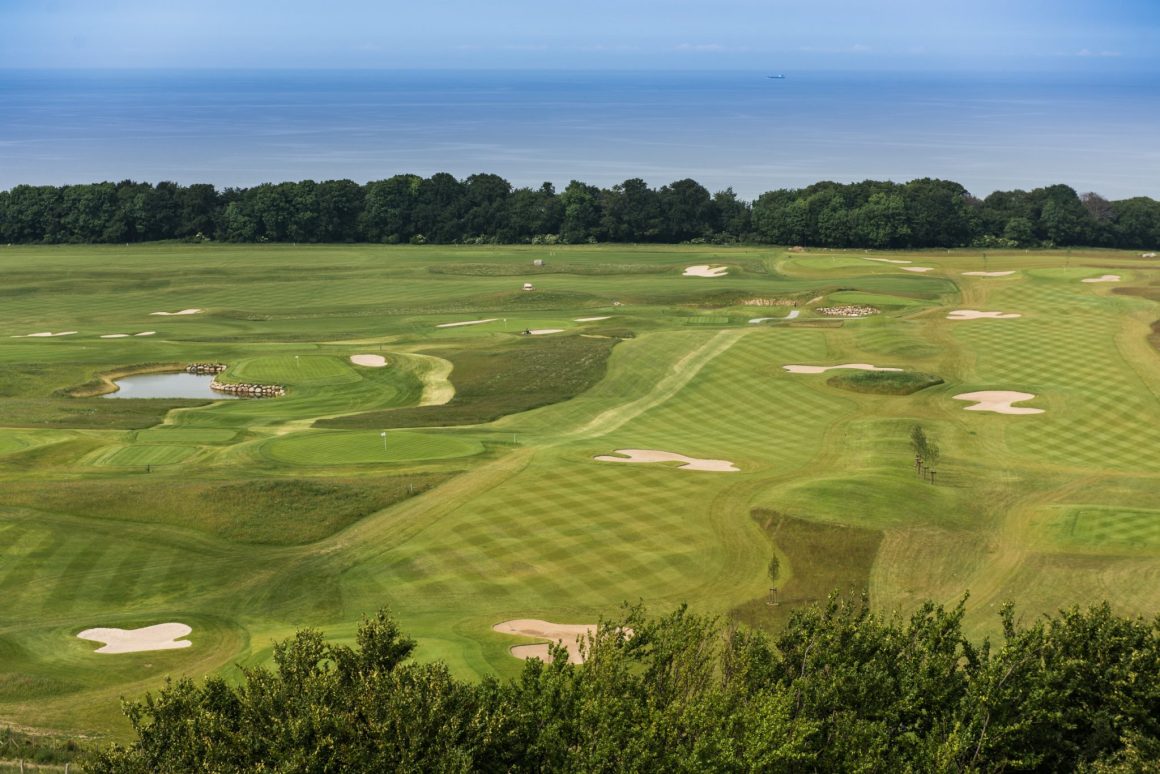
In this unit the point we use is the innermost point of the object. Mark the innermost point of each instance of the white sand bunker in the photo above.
(159, 637)
(882, 260)
(653, 455)
(972, 314)
(568, 635)
(145, 333)
(791, 316)
(370, 361)
(44, 334)
(544, 331)
(987, 273)
(176, 314)
(706, 271)
(115, 336)
(807, 369)
(919, 269)
(1105, 278)
(466, 322)
(999, 401)
(592, 319)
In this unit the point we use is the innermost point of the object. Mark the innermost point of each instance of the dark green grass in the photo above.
(1123, 526)
(495, 382)
(261, 511)
(822, 559)
(884, 382)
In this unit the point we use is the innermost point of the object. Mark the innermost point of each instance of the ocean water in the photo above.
(738, 129)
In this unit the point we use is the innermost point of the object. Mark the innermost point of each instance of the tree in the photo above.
(925, 448)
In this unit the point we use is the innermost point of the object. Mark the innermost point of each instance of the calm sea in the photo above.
(738, 129)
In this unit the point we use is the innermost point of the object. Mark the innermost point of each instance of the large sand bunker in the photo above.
(883, 260)
(466, 322)
(706, 271)
(159, 637)
(999, 401)
(370, 361)
(653, 455)
(973, 314)
(592, 319)
(987, 273)
(1105, 278)
(568, 635)
(544, 331)
(919, 269)
(176, 314)
(808, 369)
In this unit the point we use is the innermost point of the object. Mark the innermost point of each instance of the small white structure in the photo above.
(529, 286)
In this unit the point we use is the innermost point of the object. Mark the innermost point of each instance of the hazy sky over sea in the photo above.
(1117, 35)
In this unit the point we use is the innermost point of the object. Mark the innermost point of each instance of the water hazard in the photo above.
(180, 385)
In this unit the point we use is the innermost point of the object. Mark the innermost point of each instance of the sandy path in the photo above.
(370, 361)
(159, 637)
(654, 455)
(706, 271)
(883, 260)
(544, 331)
(918, 269)
(592, 319)
(176, 314)
(999, 401)
(466, 322)
(972, 314)
(568, 635)
(1105, 278)
(808, 369)
(987, 273)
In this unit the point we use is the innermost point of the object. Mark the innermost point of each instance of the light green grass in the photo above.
(253, 521)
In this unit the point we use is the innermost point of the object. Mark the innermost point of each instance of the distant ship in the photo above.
(778, 77)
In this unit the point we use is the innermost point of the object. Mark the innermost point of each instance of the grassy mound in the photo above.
(883, 382)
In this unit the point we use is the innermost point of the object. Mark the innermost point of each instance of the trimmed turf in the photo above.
(253, 521)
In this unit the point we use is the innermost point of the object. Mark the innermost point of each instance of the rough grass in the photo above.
(883, 382)
(494, 382)
(279, 512)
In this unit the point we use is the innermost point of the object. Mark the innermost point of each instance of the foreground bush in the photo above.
(841, 689)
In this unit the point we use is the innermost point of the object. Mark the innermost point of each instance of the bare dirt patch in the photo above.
(654, 455)
(158, 637)
(999, 401)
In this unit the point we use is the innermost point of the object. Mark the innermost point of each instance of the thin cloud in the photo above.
(1086, 52)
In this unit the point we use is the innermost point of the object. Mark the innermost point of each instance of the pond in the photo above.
(179, 385)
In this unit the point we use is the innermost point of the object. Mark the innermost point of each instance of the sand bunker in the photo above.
(566, 634)
(543, 331)
(592, 319)
(44, 334)
(370, 361)
(1105, 278)
(160, 637)
(791, 316)
(652, 455)
(999, 401)
(706, 271)
(466, 322)
(176, 314)
(918, 269)
(807, 369)
(972, 314)
(882, 260)
(145, 333)
(987, 273)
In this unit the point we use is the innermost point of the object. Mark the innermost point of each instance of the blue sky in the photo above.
(598, 34)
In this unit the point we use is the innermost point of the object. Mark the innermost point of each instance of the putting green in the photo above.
(366, 447)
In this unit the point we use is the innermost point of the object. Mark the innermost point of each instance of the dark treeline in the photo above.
(486, 208)
(840, 689)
